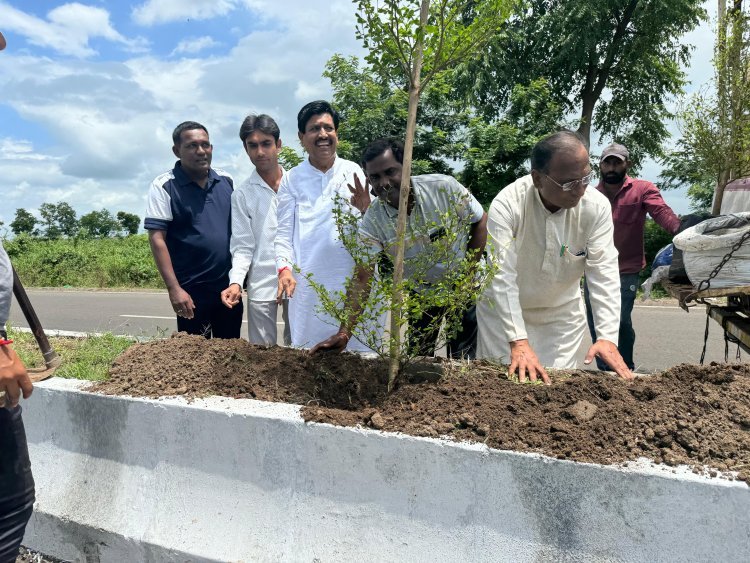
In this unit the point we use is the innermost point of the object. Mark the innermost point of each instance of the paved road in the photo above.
(667, 335)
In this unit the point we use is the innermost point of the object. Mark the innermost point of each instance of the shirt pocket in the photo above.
(627, 213)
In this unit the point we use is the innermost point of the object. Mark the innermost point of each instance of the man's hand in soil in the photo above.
(360, 194)
(182, 303)
(523, 360)
(13, 377)
(231, 295)
(336, 343)
(287, 283)
(608, 352)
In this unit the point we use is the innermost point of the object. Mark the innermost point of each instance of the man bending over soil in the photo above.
(432, 198)
(547, 230)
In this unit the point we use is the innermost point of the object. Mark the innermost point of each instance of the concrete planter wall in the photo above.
(127, 480)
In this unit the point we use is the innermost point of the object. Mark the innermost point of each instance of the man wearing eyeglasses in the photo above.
(188, 222)
(631, 199)
(546, 230)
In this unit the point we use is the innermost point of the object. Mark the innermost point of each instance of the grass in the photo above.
(82, 358)
(101, 263)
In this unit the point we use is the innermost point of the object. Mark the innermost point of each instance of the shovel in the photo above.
(51, 359)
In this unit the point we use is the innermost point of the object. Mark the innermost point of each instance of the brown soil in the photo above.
(696, 415)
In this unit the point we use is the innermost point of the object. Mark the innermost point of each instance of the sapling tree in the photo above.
(439, 278)
(419, 39)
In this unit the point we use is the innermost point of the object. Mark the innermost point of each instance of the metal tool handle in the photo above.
(51, 359)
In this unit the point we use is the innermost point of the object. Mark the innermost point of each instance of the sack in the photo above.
(663, 257)
(705, 245)
(658, 274)
(677, 273)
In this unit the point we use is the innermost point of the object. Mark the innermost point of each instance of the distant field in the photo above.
(102, 263)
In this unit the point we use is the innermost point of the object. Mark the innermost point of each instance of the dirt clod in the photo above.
(695, 415)
(583, 411)
(376, 421)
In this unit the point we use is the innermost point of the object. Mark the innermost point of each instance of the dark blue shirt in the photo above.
(198, 226)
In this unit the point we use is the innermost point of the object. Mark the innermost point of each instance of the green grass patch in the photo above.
(82, 358)
(81, 262)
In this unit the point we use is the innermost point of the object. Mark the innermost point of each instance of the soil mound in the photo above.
(696, 415)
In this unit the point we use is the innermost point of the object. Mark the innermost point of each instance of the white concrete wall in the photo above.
(124, 480)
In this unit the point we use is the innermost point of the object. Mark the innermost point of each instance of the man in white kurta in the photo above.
(254, 233)
(546, 231)
(307, 236)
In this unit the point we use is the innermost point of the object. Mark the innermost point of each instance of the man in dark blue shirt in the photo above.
(189, 225)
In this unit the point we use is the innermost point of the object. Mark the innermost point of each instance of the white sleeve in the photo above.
(503, 291)
(603, 278)
(158, 205)
(242, 242)
(6, 286)
(286, 219)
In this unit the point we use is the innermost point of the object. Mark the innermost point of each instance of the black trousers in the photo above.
(16, 483)
(423, 333)
(212, 318)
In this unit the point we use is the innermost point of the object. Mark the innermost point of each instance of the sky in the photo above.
(90, 91)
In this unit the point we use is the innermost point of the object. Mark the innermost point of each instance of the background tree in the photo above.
(613, 63)
(24, 222)
(99, 224)
(128, 222)
(58, 219)
(715, 122)
(373, 106)
(288, 158)
(499, 151)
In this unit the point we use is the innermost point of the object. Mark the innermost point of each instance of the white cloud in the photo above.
(103, 128)
(304, 92)
(192, 45)
(162, 11)
(13, 149)
(67, 30)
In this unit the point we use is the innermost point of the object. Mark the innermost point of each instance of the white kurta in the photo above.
(253, 235)
(307, 237)
(542, 257)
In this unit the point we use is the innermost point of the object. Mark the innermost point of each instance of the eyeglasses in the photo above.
(568, 186)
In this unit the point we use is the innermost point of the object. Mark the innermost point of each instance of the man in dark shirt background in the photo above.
(188, 220)
(631, 200)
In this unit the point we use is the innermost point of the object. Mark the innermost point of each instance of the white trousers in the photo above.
(261, 322)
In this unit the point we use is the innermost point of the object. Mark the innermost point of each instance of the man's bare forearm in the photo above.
(477, 238)
(356, 296)
(158, 242)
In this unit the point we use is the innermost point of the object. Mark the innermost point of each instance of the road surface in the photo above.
(666, 335)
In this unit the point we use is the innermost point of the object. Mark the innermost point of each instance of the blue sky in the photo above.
(90, 91)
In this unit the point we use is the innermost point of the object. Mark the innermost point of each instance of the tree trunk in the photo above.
(587, 114)
(598, 74)
(719, 192)
(398, 265)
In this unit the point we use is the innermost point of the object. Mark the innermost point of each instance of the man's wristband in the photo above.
(282, 269)
(4, 338)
